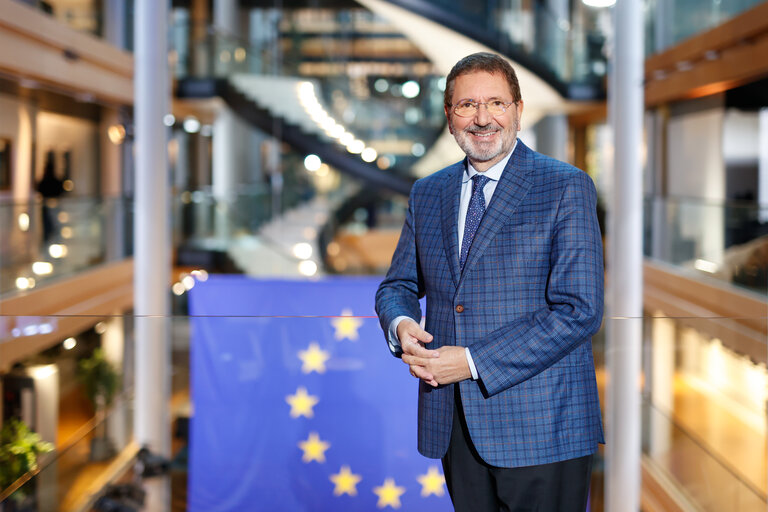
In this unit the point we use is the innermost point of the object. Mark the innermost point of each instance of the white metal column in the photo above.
(152, 233)
(625, 259)
(762, 165)
(225, 129)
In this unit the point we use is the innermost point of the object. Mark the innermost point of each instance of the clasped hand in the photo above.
(444, 365)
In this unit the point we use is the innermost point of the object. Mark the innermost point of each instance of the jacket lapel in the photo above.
(511, 189)
(449, 206)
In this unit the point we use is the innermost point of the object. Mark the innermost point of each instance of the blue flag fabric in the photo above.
(297, 404)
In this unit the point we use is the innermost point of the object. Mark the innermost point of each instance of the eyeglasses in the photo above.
(468, 108)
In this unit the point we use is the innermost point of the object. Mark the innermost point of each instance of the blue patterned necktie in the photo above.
(474, 215)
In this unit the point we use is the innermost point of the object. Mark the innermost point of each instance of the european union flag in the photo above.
(297, 404)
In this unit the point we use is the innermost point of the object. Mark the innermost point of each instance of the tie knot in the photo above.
(479, 182)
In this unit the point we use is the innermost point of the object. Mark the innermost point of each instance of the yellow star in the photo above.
(346, 325)
(432, 482)
(346, 482)
(313, 448)
(314, 358)
(301, 403)
(389, 494)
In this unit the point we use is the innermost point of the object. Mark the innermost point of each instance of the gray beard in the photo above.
(480, 153)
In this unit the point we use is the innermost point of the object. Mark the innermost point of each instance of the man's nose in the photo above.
(482, 116)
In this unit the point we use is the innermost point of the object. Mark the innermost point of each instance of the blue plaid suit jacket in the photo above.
(532, 292)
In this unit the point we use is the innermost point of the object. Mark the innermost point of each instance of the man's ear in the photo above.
(448, 117)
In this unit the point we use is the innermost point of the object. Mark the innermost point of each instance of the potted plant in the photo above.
(100, 381)
(19, 449)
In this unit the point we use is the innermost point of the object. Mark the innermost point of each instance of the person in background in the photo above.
(50, 187)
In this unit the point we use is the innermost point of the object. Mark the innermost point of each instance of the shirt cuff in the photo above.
(471, 364)
(393, 340)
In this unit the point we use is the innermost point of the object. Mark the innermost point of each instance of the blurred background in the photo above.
(291, 132)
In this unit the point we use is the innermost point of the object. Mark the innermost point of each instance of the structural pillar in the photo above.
(225, 128)
(762, 165)
(114, 12)
(552, 136)
(625, 263)
(152, 238)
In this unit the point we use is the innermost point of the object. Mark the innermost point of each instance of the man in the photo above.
(506, 247)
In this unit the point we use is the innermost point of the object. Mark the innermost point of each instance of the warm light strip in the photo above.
(307, 98)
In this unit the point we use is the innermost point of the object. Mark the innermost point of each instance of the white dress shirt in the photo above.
(494, 174)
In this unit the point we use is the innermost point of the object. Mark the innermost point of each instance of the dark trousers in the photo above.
(476, 486)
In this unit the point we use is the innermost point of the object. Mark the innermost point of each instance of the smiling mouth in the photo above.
(483, 134)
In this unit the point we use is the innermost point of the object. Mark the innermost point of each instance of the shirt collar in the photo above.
(494, 172)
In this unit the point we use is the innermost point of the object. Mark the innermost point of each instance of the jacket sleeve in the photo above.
(574, 294)
(403, 286)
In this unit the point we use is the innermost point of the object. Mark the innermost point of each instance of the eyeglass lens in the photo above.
(469, 108)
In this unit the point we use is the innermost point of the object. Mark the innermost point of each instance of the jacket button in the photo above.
(459, 308)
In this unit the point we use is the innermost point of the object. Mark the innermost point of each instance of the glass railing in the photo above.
(258, 229)
(710, 483)
(671, 21)
(93, 453)
(52, 238)
(725, 241)
(278, 386)
(704, 415)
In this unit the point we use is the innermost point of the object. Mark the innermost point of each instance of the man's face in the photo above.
(486, 139)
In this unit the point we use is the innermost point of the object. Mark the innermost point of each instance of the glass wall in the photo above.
(672, 21)
(703, 422)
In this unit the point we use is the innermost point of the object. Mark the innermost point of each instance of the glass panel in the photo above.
(88, 445)
(280, 367)
(704, 416)
(675, 20)
(48, 239)
(707, 238)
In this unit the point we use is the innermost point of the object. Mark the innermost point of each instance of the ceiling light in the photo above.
(42, 268)
(23, 221)
(302, 250)
(57, 250)
(116, 134)
(346, 138)
(25, 283)
(411, 89)
(312, 163)
(337, 131)
(191, 124)
(599, 3)
(308, 268)
(369, 154)
(356, 146)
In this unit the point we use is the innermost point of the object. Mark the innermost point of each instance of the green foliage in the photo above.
(99, 378)
(19, 448)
